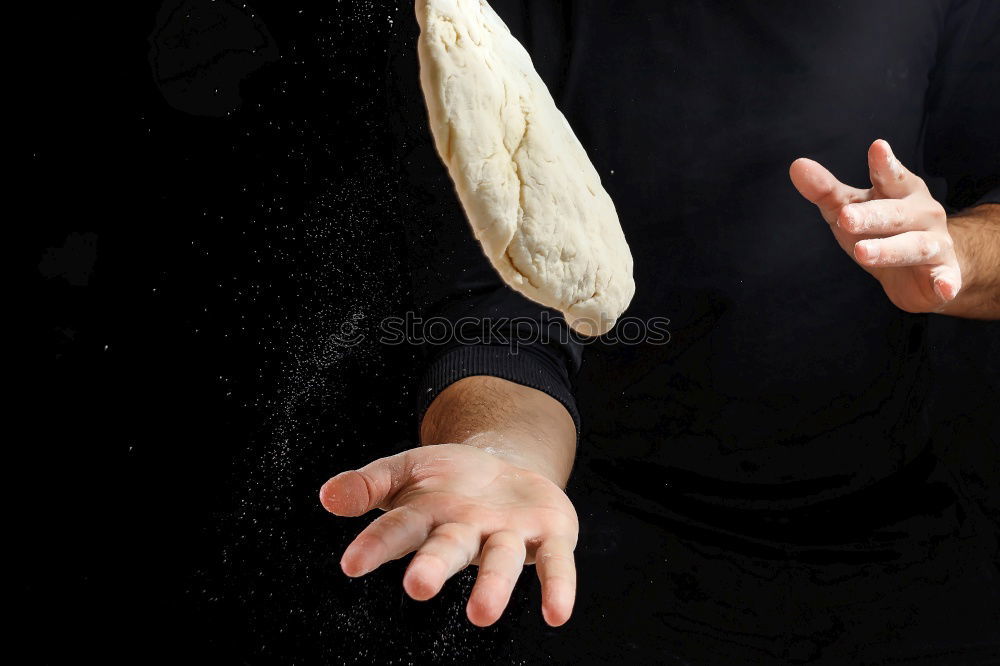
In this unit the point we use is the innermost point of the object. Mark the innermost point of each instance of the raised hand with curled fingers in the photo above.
(895, 230)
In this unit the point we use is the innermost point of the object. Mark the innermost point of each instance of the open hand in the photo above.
(457, 505)
(896, 230)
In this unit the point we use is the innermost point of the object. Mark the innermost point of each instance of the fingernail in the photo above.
(357, 574)
(870, 251)
(944, 290)
(848, 218)
(327, 497)
(939, 290)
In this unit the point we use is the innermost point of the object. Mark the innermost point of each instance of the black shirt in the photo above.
(791, 385)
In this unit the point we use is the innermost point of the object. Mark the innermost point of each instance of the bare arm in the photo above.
(525, 426)
(976, 234)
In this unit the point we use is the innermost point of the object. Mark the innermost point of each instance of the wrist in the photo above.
(521, 425)
(975, 233)
(518, 451)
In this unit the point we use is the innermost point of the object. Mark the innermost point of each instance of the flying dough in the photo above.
(532, 196)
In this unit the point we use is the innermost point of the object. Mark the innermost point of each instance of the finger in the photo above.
(357, 492)
(947, 282)
(449, 549)
(389, 537)
(889, 176)
(881, 217)
(913, 248)
(557, 573)
(499, 568)
(818, 185)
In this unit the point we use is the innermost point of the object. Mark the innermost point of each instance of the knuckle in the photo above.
(830, 197)
(507, 546)
(938, 213)
(926, 248)
(550, 558)
(433, 558)
(450, 537)
(370, 484)
(493, 575)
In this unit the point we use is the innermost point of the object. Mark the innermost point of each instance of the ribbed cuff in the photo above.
(993, 197)
(523, 366)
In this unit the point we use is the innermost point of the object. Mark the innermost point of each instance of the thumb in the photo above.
(356, 492)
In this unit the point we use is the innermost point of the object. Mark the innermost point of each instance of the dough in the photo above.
(534, 200)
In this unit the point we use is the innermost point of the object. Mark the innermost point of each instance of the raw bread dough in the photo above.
(532, 196)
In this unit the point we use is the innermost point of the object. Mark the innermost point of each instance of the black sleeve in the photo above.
(468, 321)
(962, 140)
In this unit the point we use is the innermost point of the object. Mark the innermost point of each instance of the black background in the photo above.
(207, 205)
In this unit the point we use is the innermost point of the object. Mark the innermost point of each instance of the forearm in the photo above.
(976, 233)
(525, 426)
